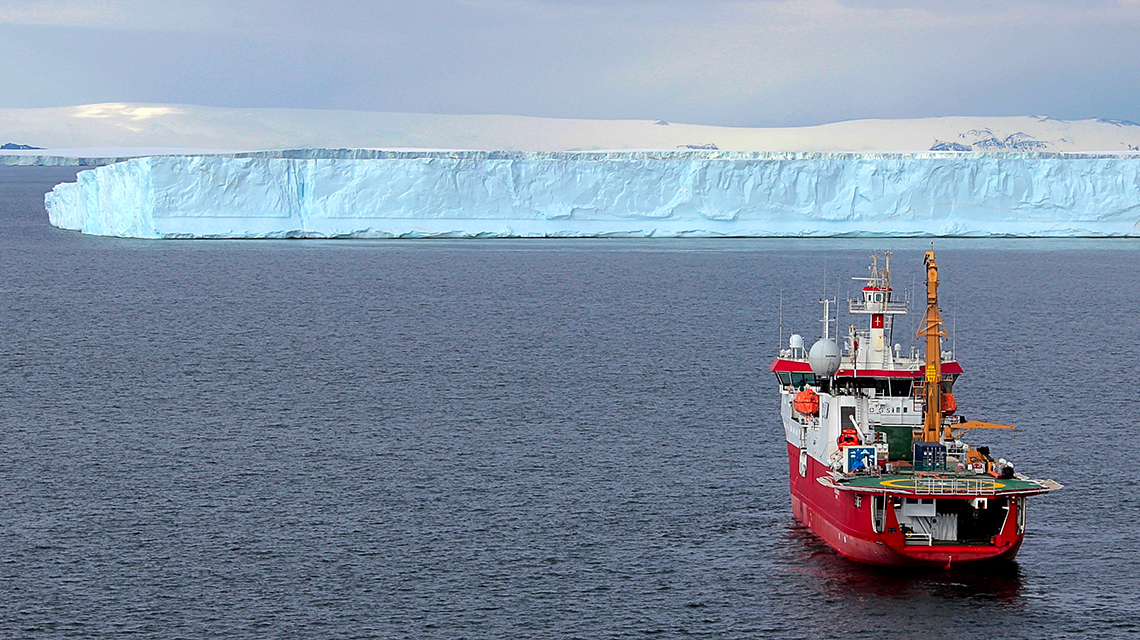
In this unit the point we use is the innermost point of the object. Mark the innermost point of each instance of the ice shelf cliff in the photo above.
(381, 194)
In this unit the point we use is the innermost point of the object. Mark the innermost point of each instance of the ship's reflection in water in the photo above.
(889, 600)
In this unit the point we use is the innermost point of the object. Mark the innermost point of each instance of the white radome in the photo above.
(824, 358)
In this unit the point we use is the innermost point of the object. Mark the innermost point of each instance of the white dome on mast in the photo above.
(824, 358)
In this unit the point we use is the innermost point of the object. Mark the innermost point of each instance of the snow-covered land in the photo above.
(150, 126)
(368, 193)
(91, 156)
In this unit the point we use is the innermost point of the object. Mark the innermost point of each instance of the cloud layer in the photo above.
(758, 63)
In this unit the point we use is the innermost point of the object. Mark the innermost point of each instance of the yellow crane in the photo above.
(933, 331)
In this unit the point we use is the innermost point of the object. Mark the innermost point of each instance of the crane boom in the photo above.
(933, 332)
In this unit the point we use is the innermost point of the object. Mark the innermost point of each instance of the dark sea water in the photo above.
(517, 439)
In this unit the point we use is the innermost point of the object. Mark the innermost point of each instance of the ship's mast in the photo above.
(827, 318)
(933, 332)
(878, 302)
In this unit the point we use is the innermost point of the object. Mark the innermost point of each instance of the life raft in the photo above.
(806, 402)
(949, 404)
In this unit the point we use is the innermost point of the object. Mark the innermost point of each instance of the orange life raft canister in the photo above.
(806, 402)
(949, 404)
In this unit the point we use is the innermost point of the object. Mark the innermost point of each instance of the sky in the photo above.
(724, 62)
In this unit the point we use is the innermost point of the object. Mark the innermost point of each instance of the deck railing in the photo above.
(892, 307)
(929, 485)
(916, 537)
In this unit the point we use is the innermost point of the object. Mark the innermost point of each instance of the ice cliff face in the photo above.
(366, 193)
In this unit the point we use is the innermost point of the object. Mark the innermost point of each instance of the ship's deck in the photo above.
(945, 484)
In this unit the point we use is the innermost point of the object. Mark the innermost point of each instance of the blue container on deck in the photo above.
(929, 456)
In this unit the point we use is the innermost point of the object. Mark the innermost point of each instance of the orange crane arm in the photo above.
(933, 332)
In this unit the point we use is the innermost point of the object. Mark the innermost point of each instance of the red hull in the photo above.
(833, 516)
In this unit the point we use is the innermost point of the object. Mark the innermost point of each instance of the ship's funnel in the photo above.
(824, 358)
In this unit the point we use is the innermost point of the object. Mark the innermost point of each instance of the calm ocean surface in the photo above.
(531, 439)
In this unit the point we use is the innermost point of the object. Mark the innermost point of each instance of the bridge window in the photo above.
(801, 379)
(899, 387)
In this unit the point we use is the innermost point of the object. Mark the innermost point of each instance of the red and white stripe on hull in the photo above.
(833, 516)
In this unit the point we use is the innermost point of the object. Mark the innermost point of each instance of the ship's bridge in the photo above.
(796, 373)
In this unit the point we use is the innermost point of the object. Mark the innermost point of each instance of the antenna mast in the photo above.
(826, 318)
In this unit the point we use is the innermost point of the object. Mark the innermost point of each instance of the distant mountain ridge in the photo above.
(1119, 123)
(986, 140)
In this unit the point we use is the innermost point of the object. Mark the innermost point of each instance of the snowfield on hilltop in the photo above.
(121, 127)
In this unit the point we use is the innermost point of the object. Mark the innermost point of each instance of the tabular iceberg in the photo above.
(369, 193)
